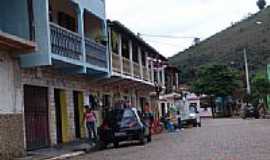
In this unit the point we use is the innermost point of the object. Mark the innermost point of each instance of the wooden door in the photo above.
(36, 117)
(61, 113)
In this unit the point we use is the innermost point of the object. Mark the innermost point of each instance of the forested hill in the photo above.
(226, 47)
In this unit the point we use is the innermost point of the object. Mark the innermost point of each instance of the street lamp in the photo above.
(246, 65)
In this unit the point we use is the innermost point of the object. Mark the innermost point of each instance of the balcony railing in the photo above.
(65, 43)
(136, 68)
(116, 63)
(145, 74)
(95, 53)
(126, 66)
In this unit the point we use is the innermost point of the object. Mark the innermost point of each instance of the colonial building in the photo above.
(58, 55)
(53, 50)
(171, 95)
(137, 69)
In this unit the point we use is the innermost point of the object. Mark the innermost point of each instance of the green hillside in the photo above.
(226, 47)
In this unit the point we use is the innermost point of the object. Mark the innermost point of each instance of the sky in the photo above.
(184, 19)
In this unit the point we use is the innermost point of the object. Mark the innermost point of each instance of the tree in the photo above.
(216, 80)
(261, 88)
(261, 4)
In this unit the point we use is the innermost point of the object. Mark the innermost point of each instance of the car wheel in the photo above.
(194, 124)
(116, 144)
(149, 138)
(142, 139)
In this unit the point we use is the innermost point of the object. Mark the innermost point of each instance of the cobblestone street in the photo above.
(221, 139)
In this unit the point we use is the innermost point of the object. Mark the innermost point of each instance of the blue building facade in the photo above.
(70, 35)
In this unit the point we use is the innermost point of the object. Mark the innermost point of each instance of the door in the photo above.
(61, 113)
(163, 110)
(36, 117)
(78, 113)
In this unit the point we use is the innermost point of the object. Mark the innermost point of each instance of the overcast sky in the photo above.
(192, 18)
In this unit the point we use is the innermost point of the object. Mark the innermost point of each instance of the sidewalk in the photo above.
(60, 152)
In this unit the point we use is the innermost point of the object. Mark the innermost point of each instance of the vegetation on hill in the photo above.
(226, 47)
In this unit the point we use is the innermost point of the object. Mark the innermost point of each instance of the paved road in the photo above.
(222, 139)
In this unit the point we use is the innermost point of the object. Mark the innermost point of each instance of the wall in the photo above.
(11, 136)
(14, 12)
(11, 98)
(11, 117)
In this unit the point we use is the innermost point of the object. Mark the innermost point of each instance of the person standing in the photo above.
(90, 119)
(178, 116)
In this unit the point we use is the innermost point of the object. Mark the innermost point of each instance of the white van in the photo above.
(189, 113)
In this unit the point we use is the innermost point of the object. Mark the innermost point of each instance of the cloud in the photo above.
(200, 18)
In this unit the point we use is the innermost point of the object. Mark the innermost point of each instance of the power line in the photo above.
(167, 36)
(168, 44)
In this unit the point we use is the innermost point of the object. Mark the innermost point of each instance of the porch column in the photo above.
(140, 62)
(120, 53)
(177, 80)
(147, 66)
(158, 76)
(131, 58)
(80, 18)
(110, 52)
(152, 71)
(163, 76)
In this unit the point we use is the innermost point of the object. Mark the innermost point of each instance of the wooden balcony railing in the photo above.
(65, 43)
(116, 66)
(126, 66)
(145, 74)
(136, 68)
(95, 53)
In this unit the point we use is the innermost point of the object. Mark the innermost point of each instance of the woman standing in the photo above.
(90, 119)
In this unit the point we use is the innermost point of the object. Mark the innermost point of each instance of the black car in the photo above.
(123, 125)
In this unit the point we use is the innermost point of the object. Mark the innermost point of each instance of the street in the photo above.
(219, 139)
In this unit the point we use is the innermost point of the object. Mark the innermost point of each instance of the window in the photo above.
(67, 21)
(125, 47)
(135, 53)
(143, 58)
(114, 41)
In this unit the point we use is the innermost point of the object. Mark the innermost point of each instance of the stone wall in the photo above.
(11, 136)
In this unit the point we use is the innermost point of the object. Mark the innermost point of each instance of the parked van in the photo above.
(189, 113)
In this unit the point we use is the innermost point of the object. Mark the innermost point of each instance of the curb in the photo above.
(68, 155)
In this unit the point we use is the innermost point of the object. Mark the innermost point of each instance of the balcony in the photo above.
(145, 74)
(116, 67)
(95, 53)
(137, 73)
(65, 43)
(126, 67)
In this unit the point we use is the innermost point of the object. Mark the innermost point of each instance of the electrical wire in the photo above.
(167, 36)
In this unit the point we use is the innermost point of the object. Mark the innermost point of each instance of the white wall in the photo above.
(10, 90)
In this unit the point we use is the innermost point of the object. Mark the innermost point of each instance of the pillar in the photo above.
(120, 53)
(131, 58)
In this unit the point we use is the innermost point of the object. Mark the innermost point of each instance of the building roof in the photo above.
(116, 25)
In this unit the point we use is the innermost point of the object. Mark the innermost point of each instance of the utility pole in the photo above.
(247, 72)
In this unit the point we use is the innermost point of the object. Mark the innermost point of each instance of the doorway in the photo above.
(36, 117)
(61, 114)
(78, 113)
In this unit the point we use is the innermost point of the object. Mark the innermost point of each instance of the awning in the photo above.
(170, 96)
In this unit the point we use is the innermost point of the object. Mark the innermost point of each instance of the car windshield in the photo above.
(192, 110)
